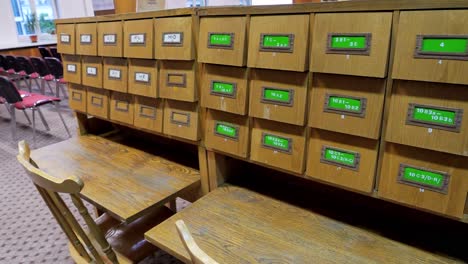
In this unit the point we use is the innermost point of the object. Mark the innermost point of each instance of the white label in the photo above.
(141, 77)
(109, 38)
(91, 70)
(64, 38)
(137, 39)
(85, 38)
(172, 38)
(71, 67)
(114, 74)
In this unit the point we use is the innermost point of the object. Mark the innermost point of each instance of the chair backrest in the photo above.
(49, 188)
(9, 62)
(55, 67)
(44, 51)
(40, 65)
(55, 53)
(25, 64)
(8, 90)
(197, 255)
(2, 61)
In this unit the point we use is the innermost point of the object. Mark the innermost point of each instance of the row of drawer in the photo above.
(342, 43)
(419, 177)
(174, 118)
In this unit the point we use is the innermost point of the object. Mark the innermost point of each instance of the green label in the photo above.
(445, 45)
(276, 142)
(220, 39)
(282, 96)
(342, 157)
(224, 88)
(270, 41)
(428, 178)
(226, 130)
(343, 103)
(443, 117)
(349, 42)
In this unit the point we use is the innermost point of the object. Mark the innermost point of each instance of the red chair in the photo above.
(56, 69)
(44, 73)
(2, 63)
(32, 101)
(28, 71)
(55, 53)
(45, 52)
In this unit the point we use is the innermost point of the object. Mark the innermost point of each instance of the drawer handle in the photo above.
(180, 118)
(277, 96)
(91, 71)
(277, 42)
(173, 39)
(109, 39)
(340, 157)
(220, 40)
(71, 68)
(226, 130)
(349, 43)
(443, 118)
(451, 47)
(423, 178)
(65, 38)
(148, 112)
(225, 89)
(277, 143)
(345, 105)
(86, 39)
(114, 74)
(121, 106)
(176, 79)
(138, 39)
(142, 77)
(76, 96)
(96, 101)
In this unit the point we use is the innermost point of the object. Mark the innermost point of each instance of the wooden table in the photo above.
(121, 180)
(236, 225)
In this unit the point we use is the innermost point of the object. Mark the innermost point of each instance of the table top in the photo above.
(236, 225)
(123, 181)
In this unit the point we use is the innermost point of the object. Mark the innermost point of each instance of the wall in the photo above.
(7, 23)
(75, 8)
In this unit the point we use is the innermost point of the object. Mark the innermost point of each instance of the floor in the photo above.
(28, 232)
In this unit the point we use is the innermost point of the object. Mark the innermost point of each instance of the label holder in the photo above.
(443, 189)
(71, 68)
(76, 96)
(219, 46)
(236, 127)
(96, 101)
(92, 74)
(179, 43)
(349, 51)
(182, 84)
(410, 120)
(288, 151)
(140, 81)
(122, 106)
(65, 39)
(109, 43)
(150, 116)
(288, 49)
(357, 158)
(177, 122)
(265, 100)
(419, 54)
(361, 113)
(86, 42)
(139, 43)
(112, 77)
(234, 89)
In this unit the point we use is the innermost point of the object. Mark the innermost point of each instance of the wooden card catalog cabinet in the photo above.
(72, 68)
(138, 39)
(92, 71)
(425, 179)
(279, 42)
(222, 40)
(98, 102)
(429, 115)
(351, 43)
(142, 77)
(347, 104)
(278, 145)
(432, 46)
(227, 133)
(110, 39)
(343, 160)
(66, 38)
(174, 38)
(115, 74)
(77, 97)
(177, 80)
(121, 107)
(278, 95)
(148, 113)
(181, 120)
(86, 36)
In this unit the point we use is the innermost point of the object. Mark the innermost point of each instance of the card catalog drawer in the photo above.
(66, 38)
(115, 74)
(138, 39)
(98, 102)
(86, 35)
(110, 39)
(177, 80)
(77, 97)
(174, 38)
(148, 113)
(181, 120)
(142, 77)
(72, 68)
(121, 107)
(92, 71)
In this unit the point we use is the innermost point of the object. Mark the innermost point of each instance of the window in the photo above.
(45, 11)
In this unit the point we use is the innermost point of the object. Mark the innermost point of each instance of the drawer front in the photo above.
(279, 42)
(121, 107)
(174, 38)
(110, 39)
(72, 68)
(181, 120)
(347, 104)
(138, 39)
(86, 36)
(425, 179)
(429, 115)
(142, 77)
(115, 74)
(351, 43)
(224, 88)
(278, 95)
(227, 133)
(98, 102)
(222, 40)
(432, 46)
(177, 80)
(66, 38)
(77, 97)
(278, 145)
(92, 71)
(148, 113)
(343, 160)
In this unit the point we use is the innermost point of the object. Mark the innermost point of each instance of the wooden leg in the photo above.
(202, 160)
(217, 169)
(82, 123)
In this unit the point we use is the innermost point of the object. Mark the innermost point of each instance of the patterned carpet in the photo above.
(28, 232)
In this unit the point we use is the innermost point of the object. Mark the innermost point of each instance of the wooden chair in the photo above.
(197, 255)
(107, 240)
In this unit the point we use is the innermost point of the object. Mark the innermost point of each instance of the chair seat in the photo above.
(24, 93)
(49, 77)
(34, 75)
(62, 81)
(34, 100)
(11, 71)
